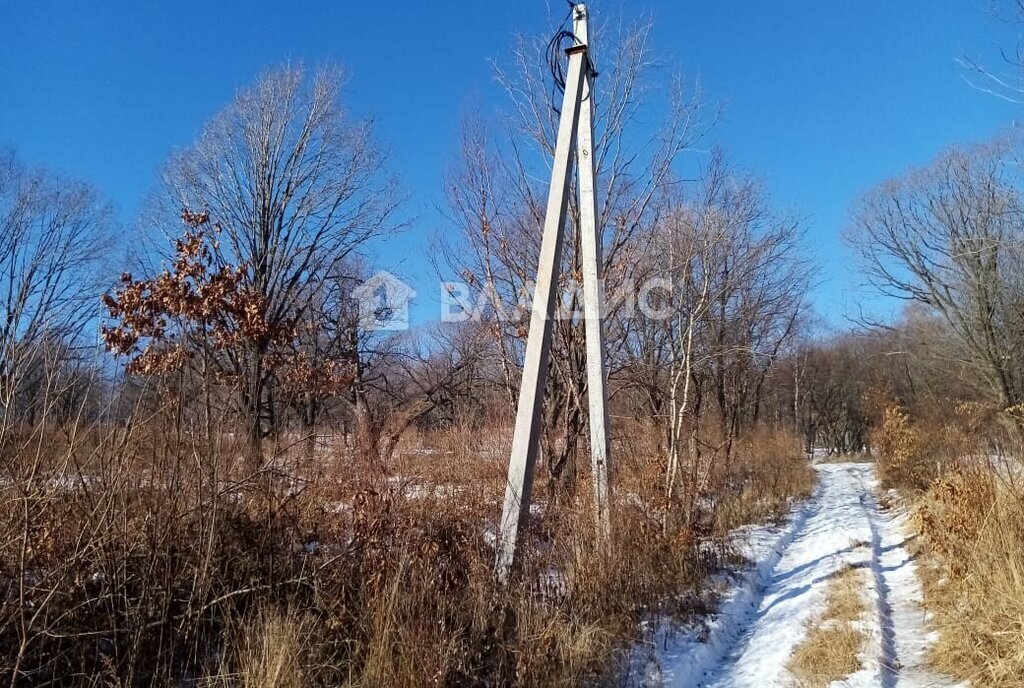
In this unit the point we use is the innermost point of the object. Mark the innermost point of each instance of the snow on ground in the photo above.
(765, 614)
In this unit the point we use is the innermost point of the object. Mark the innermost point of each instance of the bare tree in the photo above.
(1005, 81)
(691, 242)
(764, 280)
(951, 236)
(837, 374)
(324, 356)
(733, 286)
(296, 186)
(479, 209)
(403, 378)
(52, 236)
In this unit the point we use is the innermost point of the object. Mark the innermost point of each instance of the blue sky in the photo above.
(822, 98)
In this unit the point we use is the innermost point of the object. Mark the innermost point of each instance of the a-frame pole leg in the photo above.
(535, 362)
(593, 303)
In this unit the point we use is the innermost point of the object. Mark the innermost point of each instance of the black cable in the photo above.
(555, 53)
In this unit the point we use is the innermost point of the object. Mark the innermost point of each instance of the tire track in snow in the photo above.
(766, 616)
(901, 619)
(889, 662)
(836, 524)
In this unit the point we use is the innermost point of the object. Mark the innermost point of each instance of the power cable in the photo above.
(556, 51)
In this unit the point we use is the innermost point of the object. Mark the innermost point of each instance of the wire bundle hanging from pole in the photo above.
(556, 52)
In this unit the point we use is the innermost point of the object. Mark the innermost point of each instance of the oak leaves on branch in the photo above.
(197, 306)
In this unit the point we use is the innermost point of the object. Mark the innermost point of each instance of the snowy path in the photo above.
(766, 616)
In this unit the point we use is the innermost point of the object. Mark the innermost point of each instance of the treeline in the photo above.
(944, 239)
(242, 300)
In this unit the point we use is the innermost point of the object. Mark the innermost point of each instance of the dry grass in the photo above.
(767, 475)
(172, 561)
(970, 515)
(845, 596)
(833, 644)
(973, 528)
(269, 650)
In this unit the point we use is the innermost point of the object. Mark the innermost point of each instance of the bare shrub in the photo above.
(909, 456)
(767, 475)
(900, 447)
(953, 512)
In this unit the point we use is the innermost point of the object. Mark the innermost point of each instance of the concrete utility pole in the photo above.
(575, 139)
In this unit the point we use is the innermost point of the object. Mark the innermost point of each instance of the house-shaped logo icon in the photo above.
(383, 302)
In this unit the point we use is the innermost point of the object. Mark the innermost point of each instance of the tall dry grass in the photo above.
(968, 507)
(767, 475)
(973, 523)
(149, 553)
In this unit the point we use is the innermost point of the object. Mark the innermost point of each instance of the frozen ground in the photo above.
(764, 614)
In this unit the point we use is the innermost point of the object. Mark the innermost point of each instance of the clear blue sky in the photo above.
(822, 98)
